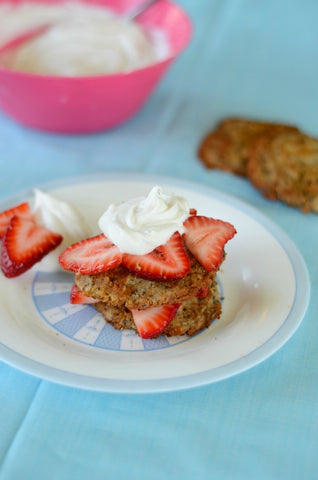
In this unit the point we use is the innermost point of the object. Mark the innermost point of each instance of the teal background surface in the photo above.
(248, 58)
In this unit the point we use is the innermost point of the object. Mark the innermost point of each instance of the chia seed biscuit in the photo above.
(228, 146)
(119, 287)
(284, 166)
(193, 315)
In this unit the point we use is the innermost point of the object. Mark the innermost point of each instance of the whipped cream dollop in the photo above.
(59, 216)
(82, 39)
(141, 224)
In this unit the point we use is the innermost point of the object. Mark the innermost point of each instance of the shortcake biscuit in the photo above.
(119, 287)
(228, 146)
(284, 166)
(192, 316)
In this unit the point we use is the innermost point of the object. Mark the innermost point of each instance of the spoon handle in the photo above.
(132, 14)
(37, 31)
(23, 37)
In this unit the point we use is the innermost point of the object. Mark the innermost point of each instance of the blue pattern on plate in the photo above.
(109, 338)
(83, 323)
(73, 323)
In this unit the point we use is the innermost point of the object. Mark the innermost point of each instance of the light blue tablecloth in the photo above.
(247, 58)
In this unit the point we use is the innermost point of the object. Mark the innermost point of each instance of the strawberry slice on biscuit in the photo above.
(79, 298)
(166, 262)
(93, 255)
(205, 238)
(152, 321)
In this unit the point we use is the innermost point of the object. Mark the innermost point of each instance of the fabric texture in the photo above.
(249, 59)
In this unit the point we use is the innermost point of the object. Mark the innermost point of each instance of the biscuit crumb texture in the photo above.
(120, 291)
(193, 315)
(119, 287)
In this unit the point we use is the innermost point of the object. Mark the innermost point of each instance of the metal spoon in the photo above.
(23, 37)
(135, 12)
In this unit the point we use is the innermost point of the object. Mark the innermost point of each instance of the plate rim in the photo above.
(255, 357)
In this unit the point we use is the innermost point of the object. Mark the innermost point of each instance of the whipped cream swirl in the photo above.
(140, 225)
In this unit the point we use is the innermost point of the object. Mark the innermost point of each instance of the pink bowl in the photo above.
(93, 103)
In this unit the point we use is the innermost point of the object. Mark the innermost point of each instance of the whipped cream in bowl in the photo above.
(80, 39)
(139, 225)
(90, 69)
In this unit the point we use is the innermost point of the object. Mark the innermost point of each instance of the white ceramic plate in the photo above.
(264, 281)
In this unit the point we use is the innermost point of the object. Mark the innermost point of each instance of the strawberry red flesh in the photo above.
(205, 238)
(166, 262)
(23, 210)
(203, 292)
(77, 297)
(93, 255)
(25, 244)
(152, 321)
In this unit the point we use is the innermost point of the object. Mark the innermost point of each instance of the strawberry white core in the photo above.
(140, 225)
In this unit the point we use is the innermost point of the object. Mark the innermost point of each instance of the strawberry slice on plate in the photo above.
(23, 210)
(93, 255)
(152, 321)
(77, 297)
(205, 238)
(25, 244)
(166, 262)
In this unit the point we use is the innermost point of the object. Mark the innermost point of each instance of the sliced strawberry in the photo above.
(205, 238)
(152, 321)
(25, 244)
(192, 211)
(203, 292)
(78, 297)
(23, 209)
(94, 255)
(167, 262)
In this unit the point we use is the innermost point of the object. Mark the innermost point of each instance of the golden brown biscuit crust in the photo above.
(228, 146)
(193, 315)
(284, 167)
(118, 287)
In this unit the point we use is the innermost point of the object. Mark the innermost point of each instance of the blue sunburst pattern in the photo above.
(82, 323)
